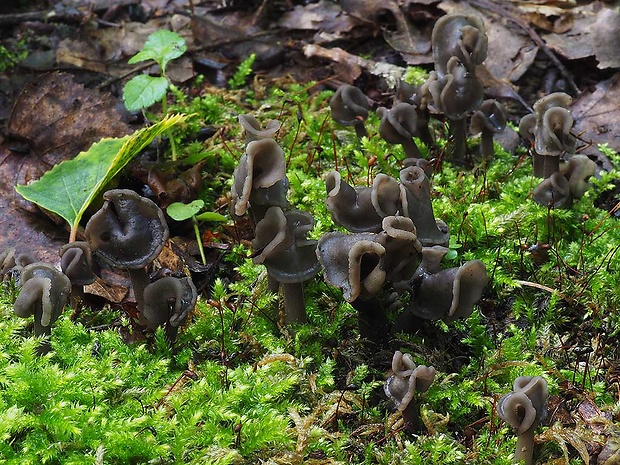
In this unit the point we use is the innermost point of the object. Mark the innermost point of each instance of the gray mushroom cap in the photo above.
(490, 117)
(261, 166)
(169, 300)
(458, 36)
(579, 169)
(399, 125)
(553, 192)
(280, 244)
(361, 209)
(76, 262)
(450, 293)
(352, 262)
(406, 380)
(43, 293)
(349, 105)
(254, 131)
(129, 231)
(416, 204)
(526, 407)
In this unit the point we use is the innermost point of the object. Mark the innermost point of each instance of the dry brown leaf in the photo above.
(597, 117)
(510, 51)
(60, 118)
(593, 34)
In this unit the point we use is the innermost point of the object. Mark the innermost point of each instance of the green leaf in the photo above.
(69, 187)
(211, 216)
(143, 91)
(161, 46)
(182, 211)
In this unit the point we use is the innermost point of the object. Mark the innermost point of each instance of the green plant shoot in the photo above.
(242, 73)
(179, 211)
(70, 187)
(142, 91)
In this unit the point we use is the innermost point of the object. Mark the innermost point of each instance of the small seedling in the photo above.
(179, 211)
(142, 91)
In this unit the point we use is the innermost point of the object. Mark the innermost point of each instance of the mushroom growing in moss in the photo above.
(128, 233)
(281, 245)
(168, 302)
(349, 107)
(253, 130)
(524, 409)
(487, 120)
(402, 385)
(399, 125)
(43, 294)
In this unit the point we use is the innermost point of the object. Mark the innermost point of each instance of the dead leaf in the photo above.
(510, 51)
(60, 118)
(597, 118)
(593, 34)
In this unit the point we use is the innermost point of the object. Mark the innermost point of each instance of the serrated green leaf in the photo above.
(161, 46)
(143, 91)
(211, 216)
(70, 187)
(179, 211)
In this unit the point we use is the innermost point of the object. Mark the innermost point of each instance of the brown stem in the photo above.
(458, 130)
(525, 447)
(372, 319)
(411, 149)
(139, 280)
(487, 151)
(411, 416)
(294, 303)
(360, 129)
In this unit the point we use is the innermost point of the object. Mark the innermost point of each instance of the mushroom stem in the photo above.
(525, 447)
(551, 165)
(372, 319)
(139, 280)
(360, 129)
(487, 151)
(538, 164)
(411, 149)
(411, 417)
(294, 303)
(458, 130)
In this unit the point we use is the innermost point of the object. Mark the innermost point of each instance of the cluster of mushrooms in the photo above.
(127, 233)
(564, 172)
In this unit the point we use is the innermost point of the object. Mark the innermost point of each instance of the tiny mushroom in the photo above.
(446, 294)
(262, 166)
(44, 292)
(128, 232)
(455, 94)
(361, 209)
(416, 204)
(405, 381)
(168, 302)
(553, 192)
(524, 409)
(253, 130)
(349, 107)
(487, 120)
(76, 262)
(280, 244)
(399, 125)
(459, 36)
(578, 170)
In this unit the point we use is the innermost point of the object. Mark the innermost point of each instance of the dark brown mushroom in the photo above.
(459, 36)
(399, 125)
(455, 94)
(349, 107)
(261, 167)
(524, 409)
(416, 204)
(128, 232)
(487, 120)
(446, 294)
(280, 243)
(578, 170)
(253, 130)
(168, 302)
(361, 209)
(405, 381)
(553, 192)
(76, 262)
(43, 294)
